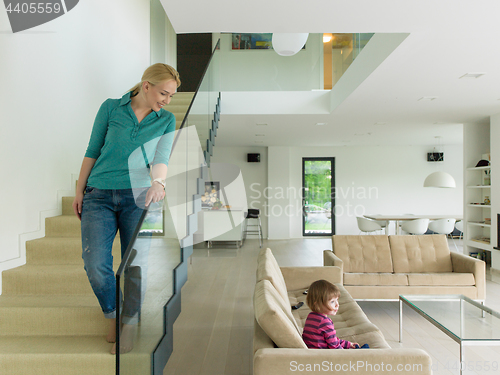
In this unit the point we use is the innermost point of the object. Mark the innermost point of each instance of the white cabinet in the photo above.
(223, 225)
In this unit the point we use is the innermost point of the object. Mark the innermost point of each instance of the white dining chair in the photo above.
(382, 223)
(368, 225)
(417, 226)
(443, 226)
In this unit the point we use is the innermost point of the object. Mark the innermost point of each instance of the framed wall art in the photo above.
(251, 41)
(211, 195)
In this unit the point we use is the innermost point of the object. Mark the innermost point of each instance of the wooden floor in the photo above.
(214, 332)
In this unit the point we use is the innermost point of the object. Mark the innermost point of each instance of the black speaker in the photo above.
(435, 156)
(253, 158)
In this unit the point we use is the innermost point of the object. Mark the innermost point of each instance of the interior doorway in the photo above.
(193, 54)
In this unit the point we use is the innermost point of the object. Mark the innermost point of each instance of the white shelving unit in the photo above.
(478, 209)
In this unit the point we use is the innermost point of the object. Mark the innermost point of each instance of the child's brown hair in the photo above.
(319, 294)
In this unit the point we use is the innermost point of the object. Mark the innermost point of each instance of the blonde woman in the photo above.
(108, 199)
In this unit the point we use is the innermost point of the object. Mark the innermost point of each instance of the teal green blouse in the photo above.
(124, 148)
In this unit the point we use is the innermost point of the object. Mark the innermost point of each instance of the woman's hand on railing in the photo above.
(77, 205)
(155, 193)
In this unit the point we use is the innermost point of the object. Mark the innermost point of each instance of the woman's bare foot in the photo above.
(111, 337)
(126, 339)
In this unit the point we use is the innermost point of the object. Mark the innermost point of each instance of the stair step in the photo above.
(177, 108)
(57, 315)
(56, 355)
(183, 95)
(67, 205)
(61, 250)
(179, 116)
(42, 279)
(62, 226)
(66, 355)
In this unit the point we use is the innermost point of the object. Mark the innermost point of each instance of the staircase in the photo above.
(50, 320)
(179, 106)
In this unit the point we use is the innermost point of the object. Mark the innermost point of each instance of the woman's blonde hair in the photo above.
(319, 294)
(155, 74)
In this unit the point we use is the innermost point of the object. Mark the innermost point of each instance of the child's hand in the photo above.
(354, 345)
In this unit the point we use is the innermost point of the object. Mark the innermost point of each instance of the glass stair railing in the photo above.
(154, 267)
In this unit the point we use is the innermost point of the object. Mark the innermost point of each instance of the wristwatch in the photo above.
(160, 181)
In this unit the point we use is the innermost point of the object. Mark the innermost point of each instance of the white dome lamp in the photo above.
(440, 180)
(288, 44)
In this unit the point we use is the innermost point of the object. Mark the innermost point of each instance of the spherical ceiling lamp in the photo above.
(288, 44)
(440, 180)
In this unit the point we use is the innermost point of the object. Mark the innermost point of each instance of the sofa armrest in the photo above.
(466, 264)
(280, 361)
(301, 277)
(330, 259)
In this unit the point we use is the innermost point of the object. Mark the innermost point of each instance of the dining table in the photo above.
(398, 218)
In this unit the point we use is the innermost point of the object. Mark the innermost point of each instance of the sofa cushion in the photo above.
(376, 279)
(363, 253)
(268, 269)
(424, 253)
(442, 279)
(275, 317)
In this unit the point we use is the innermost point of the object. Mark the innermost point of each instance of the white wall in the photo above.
(369, 179)
(265, 70)
(254, 174)
(163, 36)
(54, 78)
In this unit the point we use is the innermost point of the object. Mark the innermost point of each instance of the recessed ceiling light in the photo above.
(472, 75)
(320, 123)
(428, 98)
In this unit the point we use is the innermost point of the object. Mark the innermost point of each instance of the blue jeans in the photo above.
(104, 212)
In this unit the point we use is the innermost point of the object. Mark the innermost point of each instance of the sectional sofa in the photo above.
(278, 345)
(383, 267)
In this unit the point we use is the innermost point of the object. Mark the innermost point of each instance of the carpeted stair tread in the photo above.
(62, 226)
(65, 355)
(58, 301)
(46, 279)
(55, 344)
(51, 315)
(67, 206)
(61, 250)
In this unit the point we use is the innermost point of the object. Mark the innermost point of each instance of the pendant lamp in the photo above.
(440, 180)
(288, 44)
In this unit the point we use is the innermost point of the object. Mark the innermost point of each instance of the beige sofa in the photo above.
(278, 345)
(383, 267)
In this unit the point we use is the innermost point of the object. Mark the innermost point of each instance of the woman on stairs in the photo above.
(123, 172)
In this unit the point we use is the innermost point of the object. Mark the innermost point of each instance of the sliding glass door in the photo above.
(318, 198)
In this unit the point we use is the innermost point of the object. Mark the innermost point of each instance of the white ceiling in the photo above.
(448, 38)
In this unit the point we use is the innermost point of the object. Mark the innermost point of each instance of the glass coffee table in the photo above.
(467, 322)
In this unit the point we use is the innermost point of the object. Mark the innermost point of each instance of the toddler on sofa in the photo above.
(319, 332)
